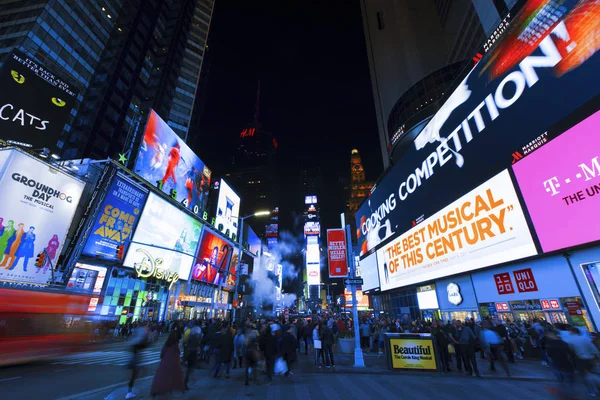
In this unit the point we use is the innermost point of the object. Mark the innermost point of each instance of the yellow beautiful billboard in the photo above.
(413, 353)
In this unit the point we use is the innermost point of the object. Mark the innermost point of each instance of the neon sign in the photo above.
(150, 267)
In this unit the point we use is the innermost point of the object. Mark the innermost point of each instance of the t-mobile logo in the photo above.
(551, 185)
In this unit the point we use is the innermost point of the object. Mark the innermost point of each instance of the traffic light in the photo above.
(40, 261)
(120, 251)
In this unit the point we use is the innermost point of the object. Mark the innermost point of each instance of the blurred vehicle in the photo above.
(41, 324)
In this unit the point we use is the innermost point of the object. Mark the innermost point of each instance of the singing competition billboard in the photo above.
(34, 103)
(228, 211)
(482, 228)
(164, 242)
(560, 183)
(116, 220)
(37, 207)
(212, 260)
(542, 69)
(166, 161)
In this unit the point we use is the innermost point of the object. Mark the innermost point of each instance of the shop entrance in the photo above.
(459, 315)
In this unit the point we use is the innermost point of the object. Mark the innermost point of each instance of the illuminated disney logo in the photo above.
(150, 267)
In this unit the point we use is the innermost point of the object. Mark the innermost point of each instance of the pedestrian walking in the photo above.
(586, 354)
(493, 346)
(239, 348)
(168, 376)
(225, 352)
(289, 344)
(268, 345)
(192, 346)
(141, 340)
(318, 344)
(252, 355)
(327, 346)
(467, 348)
(561, 358)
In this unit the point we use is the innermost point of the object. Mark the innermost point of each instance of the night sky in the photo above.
(316, 97)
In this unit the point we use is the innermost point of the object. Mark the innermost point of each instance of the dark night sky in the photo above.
(316, 97)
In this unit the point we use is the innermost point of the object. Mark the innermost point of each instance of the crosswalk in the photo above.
(120, 358)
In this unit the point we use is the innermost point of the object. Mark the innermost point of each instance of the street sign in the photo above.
(353, 281)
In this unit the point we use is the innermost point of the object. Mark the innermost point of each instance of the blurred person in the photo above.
(192, 346)
(467, 348)
(560, 356)
(239, 348)
(252, 355)
(289, 344)
(586, 356)
(493, 345)
(454, 336)
(308, 337)
(140, 342)
(365, 336)
(268, 345)
(225, 352)
(327, 346)
(442, 343)
(168, 376)
(318, 352)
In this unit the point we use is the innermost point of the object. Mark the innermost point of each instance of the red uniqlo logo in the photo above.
(525, 280)
(545, 305)
(554, 304)
(503, 283)
(502, 306)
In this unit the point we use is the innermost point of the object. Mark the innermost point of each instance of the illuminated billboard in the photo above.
(87, 279)
(272, 230)
(313, 260)
(164, 242)
(228, 211)
(35, 103)
(482, 228)
(252, 240)
(310, 199)
(212, 260)
(561, 187)
(166, 161)
(362, 300)
(116, 221)
(542, 69)
(36, 210)
(312, 228)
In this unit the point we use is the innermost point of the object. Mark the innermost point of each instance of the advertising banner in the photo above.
(484, 227)
(417, 353)
(166, 161)
(312, 228)
(369, 272)
(117, 219)
(164, 243)
(37, 207)
(228, 211)
(35, 103)
(541, 70)
(313, 261)
(212, 260)
(362, 300)
(560, 183)
(252, 240)
(87, 278)
(336, 253)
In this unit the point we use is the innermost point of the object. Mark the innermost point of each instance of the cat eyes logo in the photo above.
(20, 79)
(58, 102)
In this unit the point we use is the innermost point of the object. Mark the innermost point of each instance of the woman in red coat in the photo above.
(169, 376)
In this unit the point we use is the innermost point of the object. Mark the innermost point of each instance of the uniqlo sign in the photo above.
(504, 283)
(336, 253)
(525, 280)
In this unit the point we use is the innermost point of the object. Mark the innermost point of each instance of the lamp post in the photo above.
(241, 243)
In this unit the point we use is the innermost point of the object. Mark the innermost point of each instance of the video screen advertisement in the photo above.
(35, 103)
(36, 211)
(177, 234)
(212, 261)
(560, 183)
(87, 278)
(313, 261)
(540, 71)
(482, 228)
(117, 219)
(228, 211)
(252, 240)
(166, 161)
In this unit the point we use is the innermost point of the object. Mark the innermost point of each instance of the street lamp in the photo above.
(241, 242)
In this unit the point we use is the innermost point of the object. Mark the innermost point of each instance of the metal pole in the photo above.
(239, 266)
(359, 361)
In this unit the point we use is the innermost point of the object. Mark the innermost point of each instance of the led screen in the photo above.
(213, 259)
(484, 227)
(166, 238)
(166, 161)
(541, 70)
(560, 183)
(87, 278)
(36, 210)
(116, 221)
(313, 260)
(369, 272)
(228, 210)
(427, 298)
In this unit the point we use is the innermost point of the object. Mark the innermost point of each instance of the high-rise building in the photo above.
(254, 170)
(416, 50)
(359, 187)
(125, 57)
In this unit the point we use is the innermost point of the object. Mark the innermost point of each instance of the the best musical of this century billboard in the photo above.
(35, 103)
(543, 69)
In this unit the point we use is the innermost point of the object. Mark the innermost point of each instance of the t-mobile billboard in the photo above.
(542, 70)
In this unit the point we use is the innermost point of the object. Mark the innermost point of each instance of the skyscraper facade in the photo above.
(359, 187)
(125, 57)
(416, 49)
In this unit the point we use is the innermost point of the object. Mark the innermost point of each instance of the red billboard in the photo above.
(212, 260)
(336, 253)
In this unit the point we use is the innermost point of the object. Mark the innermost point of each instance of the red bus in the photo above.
(41, 324)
